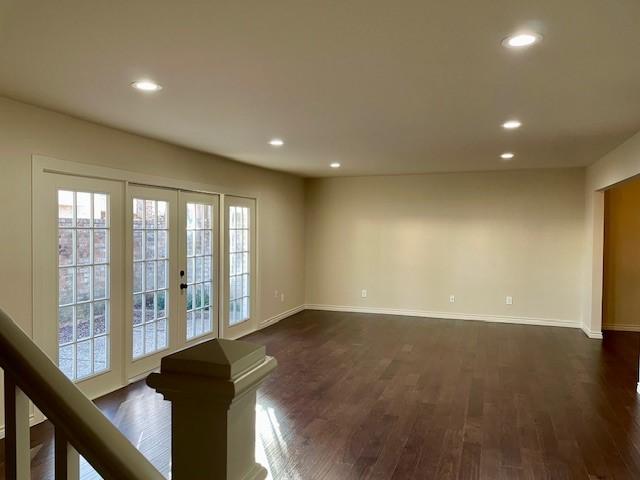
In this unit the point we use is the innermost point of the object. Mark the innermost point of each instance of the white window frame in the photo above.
(251, 324)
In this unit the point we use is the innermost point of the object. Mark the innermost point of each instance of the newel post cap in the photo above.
(221, 369)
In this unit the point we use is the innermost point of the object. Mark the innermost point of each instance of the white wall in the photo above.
(412, 241)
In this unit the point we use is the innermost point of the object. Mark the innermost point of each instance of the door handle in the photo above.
(183, 286)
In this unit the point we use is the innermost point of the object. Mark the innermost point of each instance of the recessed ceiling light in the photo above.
(521, 40)
(512, 124)
(335, 165)
(276, 142)
(507, 156)
(146, 86)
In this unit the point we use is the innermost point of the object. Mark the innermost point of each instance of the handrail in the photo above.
(71, 412)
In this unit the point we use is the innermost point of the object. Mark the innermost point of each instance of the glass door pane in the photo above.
(150, 268)
(83, 283)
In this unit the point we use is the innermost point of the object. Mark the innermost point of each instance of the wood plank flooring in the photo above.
(387, 397)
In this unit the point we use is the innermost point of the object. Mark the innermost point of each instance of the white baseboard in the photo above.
(449, 315)
(276, 318)
(622, 328)
(591, 334)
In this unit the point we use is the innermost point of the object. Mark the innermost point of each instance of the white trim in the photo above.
(449, 315)
(138, 377)
(622, 327)
(591, 334)
(281, 316)
(269, 321)
(45, 164)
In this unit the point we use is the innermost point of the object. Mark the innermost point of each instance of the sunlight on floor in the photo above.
(270, 444)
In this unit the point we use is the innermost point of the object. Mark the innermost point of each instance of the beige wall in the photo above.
(621, 303)
(27, 130)
(412, 241)
(618, 165)
(478, 232)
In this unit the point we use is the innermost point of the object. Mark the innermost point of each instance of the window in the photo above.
(83, 283)
(239, 265)
(150, 270)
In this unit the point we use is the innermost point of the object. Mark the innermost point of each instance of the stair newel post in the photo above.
(212, 389)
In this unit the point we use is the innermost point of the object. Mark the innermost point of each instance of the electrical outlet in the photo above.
(276, 294)
(364, 293)
(282, 297)
(509, 300)
(452, 299)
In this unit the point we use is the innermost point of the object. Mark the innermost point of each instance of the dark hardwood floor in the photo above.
(378, 397)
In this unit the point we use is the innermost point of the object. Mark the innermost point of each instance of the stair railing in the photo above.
(80, 428)
(212, 387)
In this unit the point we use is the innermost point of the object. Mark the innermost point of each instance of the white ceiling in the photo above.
(381, 86)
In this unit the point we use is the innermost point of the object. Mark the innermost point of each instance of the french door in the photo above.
(125, 274)
(171, 282)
